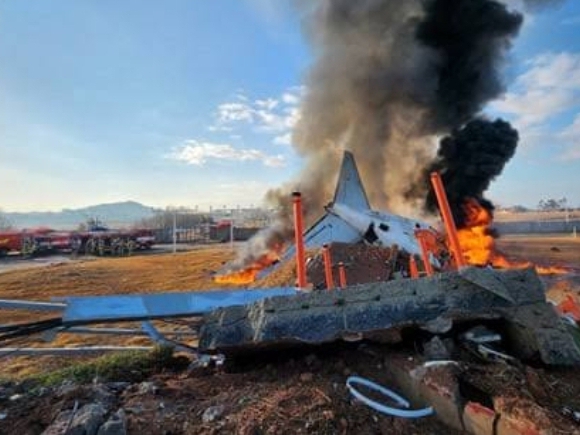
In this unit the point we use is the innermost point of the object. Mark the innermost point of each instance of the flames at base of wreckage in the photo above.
(478, 242)
(249, 274)
(476, 239)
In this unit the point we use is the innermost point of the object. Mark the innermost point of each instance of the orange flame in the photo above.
(478, 243)
(250, 273)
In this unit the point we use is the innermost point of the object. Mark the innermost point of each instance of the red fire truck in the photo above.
(101, 241)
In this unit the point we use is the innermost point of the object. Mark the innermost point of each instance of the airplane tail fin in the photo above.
(331, 228)
(349, 189)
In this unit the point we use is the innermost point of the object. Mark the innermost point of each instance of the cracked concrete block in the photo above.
(372, 309)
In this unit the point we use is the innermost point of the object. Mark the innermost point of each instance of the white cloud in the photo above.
(536, 105)
(276, 116)
(198, 153)
(290, 98)
(267, 104)
(553, 70)
(234, 112)
(548, 88)
(284, 139)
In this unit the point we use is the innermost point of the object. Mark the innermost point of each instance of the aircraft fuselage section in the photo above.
(381, 228)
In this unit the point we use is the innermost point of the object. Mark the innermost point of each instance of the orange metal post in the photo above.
(327, 267)
(413, 271)
(424, 253)
(299, 239)
(448, 221)
(341, 275)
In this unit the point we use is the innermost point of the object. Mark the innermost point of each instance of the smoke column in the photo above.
(469, 159)
(389, 77)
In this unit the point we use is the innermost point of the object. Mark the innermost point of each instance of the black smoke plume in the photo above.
(470, 38)
(469, 159)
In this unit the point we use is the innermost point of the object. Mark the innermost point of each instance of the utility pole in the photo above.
(174, 231)
(232, 231)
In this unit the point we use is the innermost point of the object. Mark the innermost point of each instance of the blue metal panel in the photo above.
(83, 309)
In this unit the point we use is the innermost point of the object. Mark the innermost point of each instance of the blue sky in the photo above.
(191, 102)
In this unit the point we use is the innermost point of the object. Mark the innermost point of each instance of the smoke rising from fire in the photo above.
(389, 76)
(469, 159)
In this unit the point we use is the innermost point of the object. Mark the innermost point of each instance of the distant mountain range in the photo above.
(118, 214)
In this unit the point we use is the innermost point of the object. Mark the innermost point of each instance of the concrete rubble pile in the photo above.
(385, 309)
(501, 316)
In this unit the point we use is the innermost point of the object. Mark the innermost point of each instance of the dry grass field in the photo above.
(140, 274)
(188, 271)
(104, 276)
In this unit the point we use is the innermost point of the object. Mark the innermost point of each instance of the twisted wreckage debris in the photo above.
(382, 310)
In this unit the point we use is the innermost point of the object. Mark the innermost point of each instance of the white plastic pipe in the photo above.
(395, 412)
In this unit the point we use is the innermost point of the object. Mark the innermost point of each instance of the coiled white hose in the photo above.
(395, 412)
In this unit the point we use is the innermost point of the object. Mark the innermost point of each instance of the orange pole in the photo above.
(448, 221)
(413, 271)
(327, 267)
(341, 275)
(424, 253)
(299, 239)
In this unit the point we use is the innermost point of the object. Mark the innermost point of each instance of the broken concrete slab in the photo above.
(368, 309)
(537, 329)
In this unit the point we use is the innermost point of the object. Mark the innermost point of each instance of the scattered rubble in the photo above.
(514, 296)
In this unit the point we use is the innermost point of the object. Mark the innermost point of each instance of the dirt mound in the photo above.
(284, 393)
(276, 394)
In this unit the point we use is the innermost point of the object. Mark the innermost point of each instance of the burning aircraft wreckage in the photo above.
(390, 77)
(452, 287)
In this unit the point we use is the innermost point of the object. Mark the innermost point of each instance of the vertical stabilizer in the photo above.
(349, 189)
